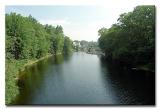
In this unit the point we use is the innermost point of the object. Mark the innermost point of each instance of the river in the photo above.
(82, 78)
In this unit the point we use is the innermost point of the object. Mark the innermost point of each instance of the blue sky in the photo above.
(79, 22)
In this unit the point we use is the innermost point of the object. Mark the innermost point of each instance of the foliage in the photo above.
(27, 39)
(12, 69)
(85, 46)
(67, 45)
(132, 39)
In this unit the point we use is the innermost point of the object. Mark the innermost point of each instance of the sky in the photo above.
(78, 22)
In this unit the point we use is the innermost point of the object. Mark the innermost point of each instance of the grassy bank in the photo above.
(11, 74)
(12, 69)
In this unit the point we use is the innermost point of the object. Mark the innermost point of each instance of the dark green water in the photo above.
(83, 78)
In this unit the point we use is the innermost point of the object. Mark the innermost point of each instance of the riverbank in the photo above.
(147, 67)
(11, 75)
(61, 79)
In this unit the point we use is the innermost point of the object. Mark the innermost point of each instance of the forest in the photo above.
(131, 41)
(86, 46)
(26, 41)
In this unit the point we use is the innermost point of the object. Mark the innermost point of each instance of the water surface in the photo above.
(83, 78)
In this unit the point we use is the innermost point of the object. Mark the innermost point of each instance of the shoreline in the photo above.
(13, 67)
(32, 62)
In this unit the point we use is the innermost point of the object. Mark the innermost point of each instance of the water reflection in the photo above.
(130, 87)
(30, 81)
(82, 78)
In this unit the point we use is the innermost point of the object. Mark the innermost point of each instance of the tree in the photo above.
(132, 39)
(15, 28)
(26, 38)
(58, 40)
(67, 45)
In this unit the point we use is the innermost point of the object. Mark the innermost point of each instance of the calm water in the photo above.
(83, 78)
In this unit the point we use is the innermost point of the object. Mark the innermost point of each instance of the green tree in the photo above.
(67, 45)
(132, 39)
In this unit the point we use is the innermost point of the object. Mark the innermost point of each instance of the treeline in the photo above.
(28, 41)
(26, 38)
(85, 46)
(131, 41)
